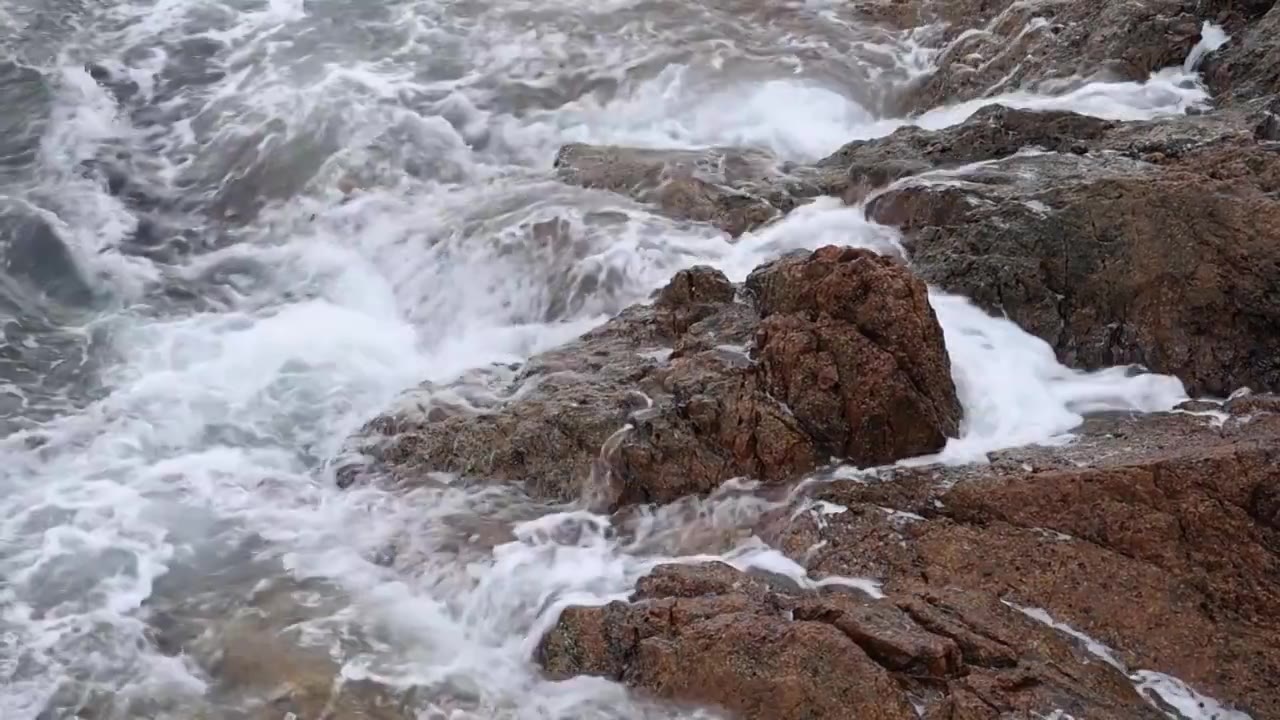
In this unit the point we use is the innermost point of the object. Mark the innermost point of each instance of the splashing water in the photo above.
(272, 217)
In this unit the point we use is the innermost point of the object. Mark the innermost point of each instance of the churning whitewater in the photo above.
(243, 228)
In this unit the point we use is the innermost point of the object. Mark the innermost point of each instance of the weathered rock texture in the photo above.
(710, 635)
(850, 344)
(838, 355)
(1156, 536)
(994, 131)
(1164, 547)
(1155, 244)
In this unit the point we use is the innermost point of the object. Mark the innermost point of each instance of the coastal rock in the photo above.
(1160, 249)
(1248, 66)
(718, 637)
(851, 345)
(734, 189)
(840, 355)
(994, 47)
(1052, 580)
(1152, 535)
(994, 131)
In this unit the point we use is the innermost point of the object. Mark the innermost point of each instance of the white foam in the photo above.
(1186, 703)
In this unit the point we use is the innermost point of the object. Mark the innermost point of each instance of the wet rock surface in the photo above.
(734, 189)
(1050, 47)
(1154, 245)
(992, 132)
(1149, 243)
(836, 353)
(1154, 536)
(1248, 66)
(711, 635)
(1150, 535)
(765, 654)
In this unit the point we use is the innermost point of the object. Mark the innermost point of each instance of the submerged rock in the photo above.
(734, 189)
(33, 254)
(838, 355)
(1111, 260)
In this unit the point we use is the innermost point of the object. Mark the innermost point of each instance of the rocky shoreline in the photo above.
(1088, 580)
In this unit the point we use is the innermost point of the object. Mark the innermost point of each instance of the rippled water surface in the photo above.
(234, 231)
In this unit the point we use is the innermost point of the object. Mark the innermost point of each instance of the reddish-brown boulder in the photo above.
(990, 47)
(676, 397)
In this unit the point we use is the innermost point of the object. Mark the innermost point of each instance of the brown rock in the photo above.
(761, 667)
(994, 131)
(246, 636)
(1116, 261)
(1155, 535)
(735, 190)
(667, 399)
(694, 295)
(698, 580)
(1249, 65)
(886, 634)
(1052, 47)
(729, 650)
(852, 346)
